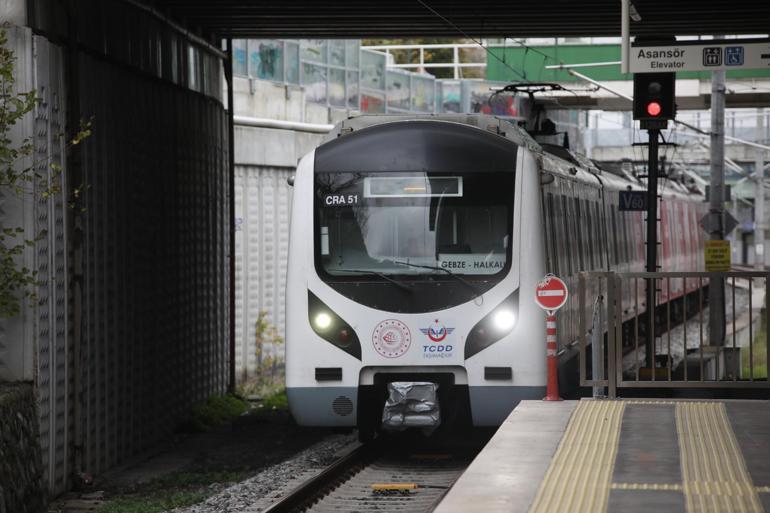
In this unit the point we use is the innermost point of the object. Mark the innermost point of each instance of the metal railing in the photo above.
(614, 323)
(456, 63)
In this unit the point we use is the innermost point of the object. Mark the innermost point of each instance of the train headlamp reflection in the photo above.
(331, 327)
(322, 321)
(504, 320)
(494, 326)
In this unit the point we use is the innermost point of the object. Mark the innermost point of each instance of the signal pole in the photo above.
(717, 203)
(652, 237)
(654, 105)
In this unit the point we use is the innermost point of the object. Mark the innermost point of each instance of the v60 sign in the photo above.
(632, 201)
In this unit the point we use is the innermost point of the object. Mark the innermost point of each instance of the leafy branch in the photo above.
(21, 176)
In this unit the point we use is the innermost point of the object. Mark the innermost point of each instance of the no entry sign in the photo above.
(551, 293)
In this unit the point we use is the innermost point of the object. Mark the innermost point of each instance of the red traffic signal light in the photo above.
(654, 96)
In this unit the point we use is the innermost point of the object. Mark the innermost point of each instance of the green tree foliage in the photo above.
(269, 376)
(15, 179)
(436, 55)
(19, 176)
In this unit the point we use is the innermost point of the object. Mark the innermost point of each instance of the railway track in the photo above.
(380, 477)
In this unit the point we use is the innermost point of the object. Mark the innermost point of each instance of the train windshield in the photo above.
(370, 224)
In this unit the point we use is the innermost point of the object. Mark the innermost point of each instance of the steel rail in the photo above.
(304, 494)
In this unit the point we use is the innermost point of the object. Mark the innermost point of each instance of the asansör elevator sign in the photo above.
(723, 54)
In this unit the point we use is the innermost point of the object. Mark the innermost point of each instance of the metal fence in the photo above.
(681, 346)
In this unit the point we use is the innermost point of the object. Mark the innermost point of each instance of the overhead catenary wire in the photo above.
(699, 132)
(502, 60)
(467, 36)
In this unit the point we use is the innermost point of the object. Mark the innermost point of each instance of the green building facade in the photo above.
(529, 63)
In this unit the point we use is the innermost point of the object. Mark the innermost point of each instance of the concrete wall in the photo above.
(264, 159)
(150, 253)
(22, 489)
(272, 100)
(262, 245)
(13, 12)
(131, 325)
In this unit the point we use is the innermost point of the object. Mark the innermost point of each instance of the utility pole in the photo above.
(759, 197)
(717, 204)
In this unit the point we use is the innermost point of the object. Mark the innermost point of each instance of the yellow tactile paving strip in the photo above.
(666, 486)
(714, 474)
(578, 478)
(646, 486)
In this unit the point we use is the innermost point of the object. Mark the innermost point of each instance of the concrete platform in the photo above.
(622, 456)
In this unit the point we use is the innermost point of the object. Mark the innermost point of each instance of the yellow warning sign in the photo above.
(717, 254)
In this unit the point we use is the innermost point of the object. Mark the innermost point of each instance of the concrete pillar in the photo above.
(717, 203)
(759, 197)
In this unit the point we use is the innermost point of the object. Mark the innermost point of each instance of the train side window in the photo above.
(624, 253)
(614, 236)
(566, 235)
(686, 249)
(631, 238)
(622, 238)
(551, 227)
(557, 224)
(634, 245)
(664, 259)
(599, 232)
(587, 254)
(591, 243)
(676, 242)
(675, 236)
(561, 247)
(581, 243)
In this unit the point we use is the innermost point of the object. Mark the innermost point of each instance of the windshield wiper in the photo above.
(381, 275)
(450, 273)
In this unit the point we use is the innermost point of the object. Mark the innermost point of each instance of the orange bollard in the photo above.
(552, 387)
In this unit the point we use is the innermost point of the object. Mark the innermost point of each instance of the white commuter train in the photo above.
(416, 244)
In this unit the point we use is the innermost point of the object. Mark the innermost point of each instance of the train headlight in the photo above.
(494, 326)
(322, 321)
(504, 320)
(331, 327)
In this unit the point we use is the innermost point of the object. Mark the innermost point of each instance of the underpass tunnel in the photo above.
(134, 320)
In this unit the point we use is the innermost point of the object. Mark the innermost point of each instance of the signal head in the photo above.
(654, 96)
(653, 109)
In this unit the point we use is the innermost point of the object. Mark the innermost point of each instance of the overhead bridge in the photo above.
(448, 18)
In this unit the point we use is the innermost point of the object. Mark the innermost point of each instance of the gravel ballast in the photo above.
(259, 491)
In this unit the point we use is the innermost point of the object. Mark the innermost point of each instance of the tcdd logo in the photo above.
(437, 333)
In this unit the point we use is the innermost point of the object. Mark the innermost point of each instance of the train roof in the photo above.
(553, 159)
